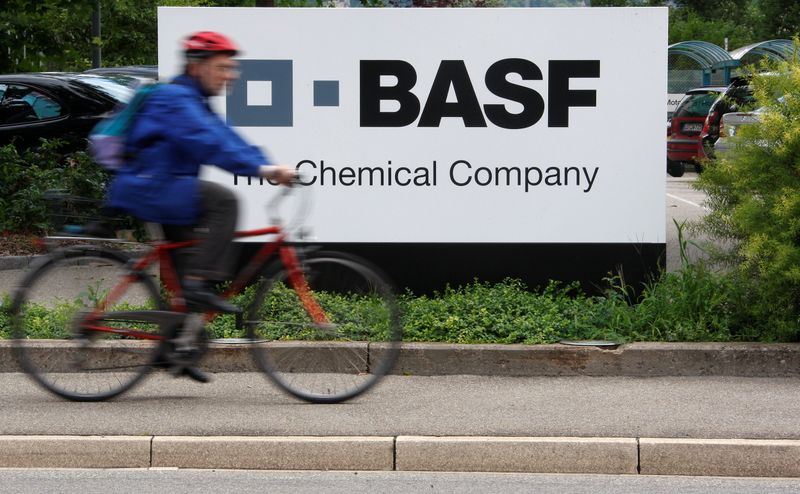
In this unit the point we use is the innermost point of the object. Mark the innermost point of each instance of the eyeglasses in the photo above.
(232, 70)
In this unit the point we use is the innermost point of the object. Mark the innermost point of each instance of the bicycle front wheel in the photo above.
(72, 340)
(328, 332)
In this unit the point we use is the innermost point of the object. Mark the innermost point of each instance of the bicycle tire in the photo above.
(49, 314)
(336, 360)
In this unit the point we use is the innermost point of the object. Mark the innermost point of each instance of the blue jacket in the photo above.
(174, 133)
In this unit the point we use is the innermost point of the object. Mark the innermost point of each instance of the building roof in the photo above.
(775, 49)
(707, 55)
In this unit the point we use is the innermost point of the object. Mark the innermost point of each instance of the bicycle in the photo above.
(324, 326)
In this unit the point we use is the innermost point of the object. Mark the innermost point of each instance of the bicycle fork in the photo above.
(298, 280)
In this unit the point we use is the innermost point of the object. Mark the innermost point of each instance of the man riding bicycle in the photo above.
(174, 133)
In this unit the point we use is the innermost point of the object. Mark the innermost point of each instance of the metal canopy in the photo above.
(707, 55)
(775, 49)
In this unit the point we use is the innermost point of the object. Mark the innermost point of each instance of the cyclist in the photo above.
(175, 132)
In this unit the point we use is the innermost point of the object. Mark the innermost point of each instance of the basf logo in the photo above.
(512, 126)
(275, 76)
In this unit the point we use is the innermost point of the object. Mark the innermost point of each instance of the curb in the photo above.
(437, 359)
(612, 456)
(720, 457)
(16, 262)
(616, 456)
(633, 360)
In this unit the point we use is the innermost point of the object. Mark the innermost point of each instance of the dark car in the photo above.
(57, 105)
(737, 97)
(139, 71)
(683, 142)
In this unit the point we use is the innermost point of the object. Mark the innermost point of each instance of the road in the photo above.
(191, 481)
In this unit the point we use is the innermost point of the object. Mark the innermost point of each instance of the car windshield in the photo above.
(696, 104)
(121, 88)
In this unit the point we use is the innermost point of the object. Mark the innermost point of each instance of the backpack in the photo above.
(108, 138)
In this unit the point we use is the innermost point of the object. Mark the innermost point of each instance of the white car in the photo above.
(730, 125)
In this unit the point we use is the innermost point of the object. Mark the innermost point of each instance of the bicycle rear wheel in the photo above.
(329, 337)
(67, 341)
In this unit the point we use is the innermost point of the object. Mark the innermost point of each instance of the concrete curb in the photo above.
(275, 453)
(75, 451)
(720, 457)
(435, 359)
(518, 454)
(614, 456)
(635, 359)
(16, 262)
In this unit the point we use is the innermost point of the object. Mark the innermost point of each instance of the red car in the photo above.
(683, 141)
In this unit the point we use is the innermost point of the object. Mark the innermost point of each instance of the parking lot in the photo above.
(684, 204)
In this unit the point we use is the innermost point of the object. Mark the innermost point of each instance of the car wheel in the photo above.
(675, 168)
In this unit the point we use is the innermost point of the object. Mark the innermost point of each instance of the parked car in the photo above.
(683, 141)
(57, 105)
(142, 71)
(144, 74)
(737, 97)
(730, 125)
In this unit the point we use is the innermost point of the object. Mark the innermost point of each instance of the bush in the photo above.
(754, 195)
(25, 177)
(506, 312)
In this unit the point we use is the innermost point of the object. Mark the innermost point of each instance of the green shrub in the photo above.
(25, 177)
(754, 195)
(506, 312)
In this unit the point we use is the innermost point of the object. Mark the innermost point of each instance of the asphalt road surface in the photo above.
(239, 481)
(245, 404)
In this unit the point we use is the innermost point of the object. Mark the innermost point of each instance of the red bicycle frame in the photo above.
(161, 253)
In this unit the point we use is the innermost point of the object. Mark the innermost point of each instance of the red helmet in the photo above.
(207, 43)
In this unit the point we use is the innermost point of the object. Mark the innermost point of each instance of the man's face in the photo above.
(215, 72)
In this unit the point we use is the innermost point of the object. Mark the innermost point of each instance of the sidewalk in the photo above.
(677, 425)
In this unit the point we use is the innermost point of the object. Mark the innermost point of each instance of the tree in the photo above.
(688, 25)
(778, 19)
(737, 10)
(754, 192)
(56, 35)
(45, 35)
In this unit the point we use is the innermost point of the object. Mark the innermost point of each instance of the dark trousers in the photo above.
(215, 227)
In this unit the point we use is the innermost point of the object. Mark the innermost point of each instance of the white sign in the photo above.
(452, 125)
(673, 100)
